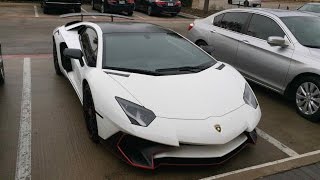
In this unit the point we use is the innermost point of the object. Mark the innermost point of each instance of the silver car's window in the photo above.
(217, 20)
(150, 52)
(306, 29)
(234, 21)
(263, 27)
(311, 8)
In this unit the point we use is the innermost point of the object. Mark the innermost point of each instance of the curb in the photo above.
(187, 16)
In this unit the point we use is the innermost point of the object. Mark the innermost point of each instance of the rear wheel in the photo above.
(1, 73)
(229, 1)
(174, 14)
(55, 60)
(92, 4)
(90, 114)
(150, 11)
(130, 13)
(307, 97)
(45, 10)
(246, 3)
(201, 43)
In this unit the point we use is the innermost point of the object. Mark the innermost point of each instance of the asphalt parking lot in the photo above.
(60, 147)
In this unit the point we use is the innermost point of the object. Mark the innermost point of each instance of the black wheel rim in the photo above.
(89, 113)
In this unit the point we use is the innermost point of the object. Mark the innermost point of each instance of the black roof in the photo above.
(131, 27)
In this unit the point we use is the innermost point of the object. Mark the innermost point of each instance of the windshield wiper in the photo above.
(139, 71)
(187, 68)
(312, 46)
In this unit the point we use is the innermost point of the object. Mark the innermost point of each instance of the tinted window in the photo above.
(217, 20)
(263, 27)
(89, 42)
(151, 52)
(234, 21)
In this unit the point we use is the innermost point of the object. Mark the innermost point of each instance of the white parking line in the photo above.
(139, 16)
(87, 12)
(36, 14)
(23, 164)
(276, 143)
(262, 165)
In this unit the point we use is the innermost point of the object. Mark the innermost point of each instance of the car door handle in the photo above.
(213, 31)
(245, 41)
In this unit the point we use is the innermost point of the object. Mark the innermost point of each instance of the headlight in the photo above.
(137, 114)
(249, 98)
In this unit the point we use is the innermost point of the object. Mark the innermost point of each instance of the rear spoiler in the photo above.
(94, 14)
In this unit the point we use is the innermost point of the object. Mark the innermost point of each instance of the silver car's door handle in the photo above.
(213, 31)
(245, 41)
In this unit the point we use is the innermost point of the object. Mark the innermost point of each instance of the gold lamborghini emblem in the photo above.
(217, 127)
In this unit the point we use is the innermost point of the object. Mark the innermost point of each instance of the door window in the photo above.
(234, 21)
(89, 42)
(263, 27)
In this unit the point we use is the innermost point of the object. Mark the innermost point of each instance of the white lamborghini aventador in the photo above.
(153, 95)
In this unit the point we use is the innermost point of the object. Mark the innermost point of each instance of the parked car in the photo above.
(48, 5)
(145, 88)
(114, 6)
(311, 7)
(246, 3)
(1, 68)
(153, 7)
(278, 49)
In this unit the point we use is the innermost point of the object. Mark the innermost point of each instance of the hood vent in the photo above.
(221, 67)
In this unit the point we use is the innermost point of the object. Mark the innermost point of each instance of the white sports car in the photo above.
(155, 96)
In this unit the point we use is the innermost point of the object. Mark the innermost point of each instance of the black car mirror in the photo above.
(75, 54)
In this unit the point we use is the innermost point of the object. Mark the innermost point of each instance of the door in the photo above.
(259, 61)
(225, 34)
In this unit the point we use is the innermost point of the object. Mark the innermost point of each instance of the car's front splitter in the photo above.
(141, 153)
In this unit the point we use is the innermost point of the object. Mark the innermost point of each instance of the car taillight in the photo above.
(190, 26)
(178, 3)
(159, 2)
(130, 1)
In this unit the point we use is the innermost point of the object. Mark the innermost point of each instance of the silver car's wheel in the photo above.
(308, 98)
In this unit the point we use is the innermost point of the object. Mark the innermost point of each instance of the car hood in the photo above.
(208, 93)
(314, 52)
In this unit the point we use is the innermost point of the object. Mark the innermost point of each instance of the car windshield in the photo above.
(311, 8)
(153, 53)
(306, 29)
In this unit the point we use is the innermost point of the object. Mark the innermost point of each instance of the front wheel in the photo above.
(90, 114)
(55, 60)
(201, 43)
(45, 10)
(229, 1)
(174, 14)
(130, 13)
(77, 9)
(246, 4)
(307, 98)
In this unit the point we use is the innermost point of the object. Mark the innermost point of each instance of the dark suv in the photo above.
(152, 7)
(114, 6)
(61, 4)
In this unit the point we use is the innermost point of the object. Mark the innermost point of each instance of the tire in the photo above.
(229, 1)
(77, 9)
(307, 97)
(90, 114)
(174, 14)
(45, 10)
(130, 13)
(55, 60)
(92, 4)
(2, 76)
(149, 11)
(102, 8)
(254, 5)
(246, 3)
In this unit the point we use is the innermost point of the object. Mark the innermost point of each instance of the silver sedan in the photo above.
(278, 49)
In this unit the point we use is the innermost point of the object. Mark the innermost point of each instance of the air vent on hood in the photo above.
(221, 67)
(118, 74)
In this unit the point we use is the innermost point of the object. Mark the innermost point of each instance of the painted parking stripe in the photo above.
(36, 14)
(87, 12)
(139, 16)
(23, 164)
(276, 143)
(262, 165)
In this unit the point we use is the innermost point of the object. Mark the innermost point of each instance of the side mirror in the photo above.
(277, 41)
(74, 54)
(208, 49)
